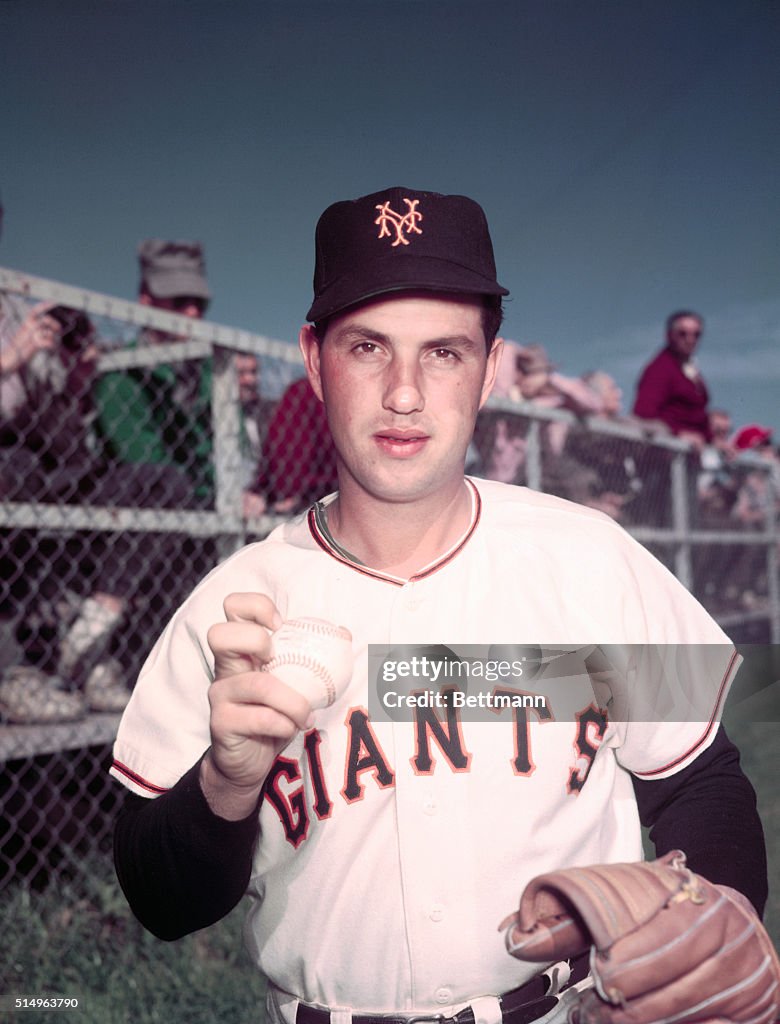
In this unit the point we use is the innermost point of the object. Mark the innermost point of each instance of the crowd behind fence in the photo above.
(93, 516)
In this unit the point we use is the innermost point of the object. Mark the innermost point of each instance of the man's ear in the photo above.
(491, 368)
(309, 344)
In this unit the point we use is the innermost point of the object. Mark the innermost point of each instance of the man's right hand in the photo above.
(254, 715)
(37, 331)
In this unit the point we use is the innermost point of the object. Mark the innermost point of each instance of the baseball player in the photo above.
(381, 853)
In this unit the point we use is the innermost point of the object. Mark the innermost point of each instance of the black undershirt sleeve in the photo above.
(181, 866)
(708, 810)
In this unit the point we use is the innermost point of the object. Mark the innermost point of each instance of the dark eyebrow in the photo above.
(356, 332)
(459, 340)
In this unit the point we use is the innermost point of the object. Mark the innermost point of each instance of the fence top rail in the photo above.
(99, 304)
(111, 519)
(612, 428)
(594, 424)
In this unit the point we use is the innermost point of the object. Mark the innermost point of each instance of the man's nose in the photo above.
(403, 390)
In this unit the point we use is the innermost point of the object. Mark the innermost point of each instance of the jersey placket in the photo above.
(429, 820)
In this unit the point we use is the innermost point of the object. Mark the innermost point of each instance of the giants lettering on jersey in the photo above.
(365, 759)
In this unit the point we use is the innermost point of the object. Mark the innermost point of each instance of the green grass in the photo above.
(82, 940)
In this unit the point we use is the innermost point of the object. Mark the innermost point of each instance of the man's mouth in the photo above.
(401, 443)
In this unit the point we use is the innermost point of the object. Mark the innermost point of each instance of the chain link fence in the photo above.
(138, 448)
(711, 519)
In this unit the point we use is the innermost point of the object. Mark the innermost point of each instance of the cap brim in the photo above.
(410, 273)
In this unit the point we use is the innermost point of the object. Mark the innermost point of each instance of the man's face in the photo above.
(402, 379)
(532, 382)
(720, 426)
(185, 305)
(683, 335)
(248, 373)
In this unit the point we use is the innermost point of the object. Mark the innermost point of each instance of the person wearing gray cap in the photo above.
(159, 415)
(173, 276)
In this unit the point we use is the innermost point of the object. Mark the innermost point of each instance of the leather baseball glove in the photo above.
(666, 944)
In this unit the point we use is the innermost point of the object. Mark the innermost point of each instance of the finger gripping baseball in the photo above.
(665, 943)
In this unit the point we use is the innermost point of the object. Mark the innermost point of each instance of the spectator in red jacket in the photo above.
(299, 462)
(671, 388)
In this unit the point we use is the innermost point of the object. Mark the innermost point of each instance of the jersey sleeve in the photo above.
(165, 727)
(666, 695)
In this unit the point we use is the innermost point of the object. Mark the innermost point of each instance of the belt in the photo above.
(520, 1006)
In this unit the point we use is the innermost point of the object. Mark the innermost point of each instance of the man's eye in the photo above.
(366, 348)
(445, 354)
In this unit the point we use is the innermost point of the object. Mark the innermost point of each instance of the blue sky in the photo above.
(626, 155)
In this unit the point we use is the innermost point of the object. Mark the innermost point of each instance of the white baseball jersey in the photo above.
(390, 851)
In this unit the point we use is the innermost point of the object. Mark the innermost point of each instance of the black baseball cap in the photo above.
(401, 239)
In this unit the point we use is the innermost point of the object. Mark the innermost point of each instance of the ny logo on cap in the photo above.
(401, 222)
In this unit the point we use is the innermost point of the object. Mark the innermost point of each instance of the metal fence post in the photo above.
(681, 519)
(226, 430)
(534, 455)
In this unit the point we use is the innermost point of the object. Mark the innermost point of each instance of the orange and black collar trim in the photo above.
(318, 526)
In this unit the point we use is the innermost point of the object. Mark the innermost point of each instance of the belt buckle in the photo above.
(437, 1018)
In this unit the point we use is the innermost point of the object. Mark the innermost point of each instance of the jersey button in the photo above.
(443, 996)
(436, 912)
(430, 806)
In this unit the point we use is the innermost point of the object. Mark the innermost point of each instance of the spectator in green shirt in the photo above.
(161, 415)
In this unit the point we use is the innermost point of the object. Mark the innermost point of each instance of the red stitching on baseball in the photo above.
(316, 668)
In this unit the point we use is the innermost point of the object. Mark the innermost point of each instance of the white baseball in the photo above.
(314, 657)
